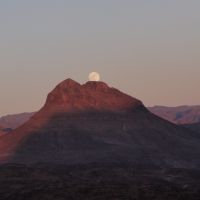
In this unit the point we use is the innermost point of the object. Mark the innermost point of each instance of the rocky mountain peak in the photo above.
(96, 85)
(72, 96)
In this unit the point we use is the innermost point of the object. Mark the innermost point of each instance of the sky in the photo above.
(148, 49)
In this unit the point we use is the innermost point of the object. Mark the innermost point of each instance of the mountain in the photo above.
(178, 115)
(2, 130)
(14, 121)
(194, 127)
(95, 123)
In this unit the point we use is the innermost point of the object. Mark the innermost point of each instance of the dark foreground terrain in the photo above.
(88, 182)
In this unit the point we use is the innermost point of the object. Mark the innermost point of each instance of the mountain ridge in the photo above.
(91, 95)
(179, 114)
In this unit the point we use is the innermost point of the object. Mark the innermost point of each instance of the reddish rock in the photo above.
(70, 96)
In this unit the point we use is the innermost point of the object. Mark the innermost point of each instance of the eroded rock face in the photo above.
(92, 96)
(96, 123)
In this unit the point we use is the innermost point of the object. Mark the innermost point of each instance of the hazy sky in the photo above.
(147, 48)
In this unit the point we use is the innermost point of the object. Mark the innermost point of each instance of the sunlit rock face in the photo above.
(94, 123)
(72, 96)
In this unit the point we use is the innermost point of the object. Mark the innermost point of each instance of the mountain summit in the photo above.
(70, 96)
(94, 123)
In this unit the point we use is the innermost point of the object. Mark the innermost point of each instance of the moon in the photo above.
(94, 76)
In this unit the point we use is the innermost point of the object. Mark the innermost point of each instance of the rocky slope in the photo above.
(194, 127)
(15, 120)
(1, 132)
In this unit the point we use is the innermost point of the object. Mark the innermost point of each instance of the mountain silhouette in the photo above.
(194, 127)
(95, 123)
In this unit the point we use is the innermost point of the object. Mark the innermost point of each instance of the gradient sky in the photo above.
(149, 49)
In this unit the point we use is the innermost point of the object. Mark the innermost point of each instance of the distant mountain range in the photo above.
(185, 116)
(15, 120)
(178, 115)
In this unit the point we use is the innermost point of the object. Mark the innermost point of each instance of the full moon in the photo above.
(94, 76)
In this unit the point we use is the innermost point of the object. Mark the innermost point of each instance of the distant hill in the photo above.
(14, 121)
(178, 115)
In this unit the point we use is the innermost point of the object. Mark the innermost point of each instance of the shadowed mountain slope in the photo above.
(95, 123)
(194, 127)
